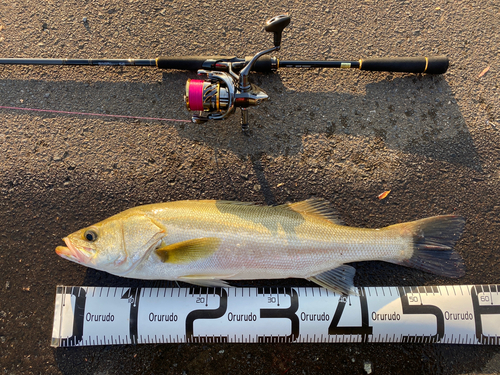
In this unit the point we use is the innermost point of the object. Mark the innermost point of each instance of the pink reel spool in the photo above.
(194, 94)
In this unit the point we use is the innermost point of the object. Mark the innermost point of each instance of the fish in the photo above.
(212, 242)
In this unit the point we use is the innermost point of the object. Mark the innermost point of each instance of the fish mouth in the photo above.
(71, 253)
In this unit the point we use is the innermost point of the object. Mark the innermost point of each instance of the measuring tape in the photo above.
(460, 314)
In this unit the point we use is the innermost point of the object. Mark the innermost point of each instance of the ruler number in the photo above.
(132, 296)
(365, 328)
(422, 309)
(480, 310)
(206, 314)
(78, 316)
(413, 299)
(288, 313)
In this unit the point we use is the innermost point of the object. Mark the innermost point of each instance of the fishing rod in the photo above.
(227, 86)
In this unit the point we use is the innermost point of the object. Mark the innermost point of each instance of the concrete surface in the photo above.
(345, 136)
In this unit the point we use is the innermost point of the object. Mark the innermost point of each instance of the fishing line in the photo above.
(92, 114)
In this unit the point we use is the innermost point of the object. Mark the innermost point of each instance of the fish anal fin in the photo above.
(315, 207)
(188, 251)
(206, 281)
(338, 280)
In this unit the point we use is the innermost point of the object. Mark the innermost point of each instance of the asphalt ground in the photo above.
(342, 135)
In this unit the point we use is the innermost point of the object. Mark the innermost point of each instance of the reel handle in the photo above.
(431, 65)
(276, 25)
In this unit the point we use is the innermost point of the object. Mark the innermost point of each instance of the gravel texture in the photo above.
(342, 135)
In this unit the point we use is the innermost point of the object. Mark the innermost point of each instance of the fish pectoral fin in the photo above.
(188, 251)
(340, 279)
(207, 281)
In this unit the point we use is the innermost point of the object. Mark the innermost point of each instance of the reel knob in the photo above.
(276, 25)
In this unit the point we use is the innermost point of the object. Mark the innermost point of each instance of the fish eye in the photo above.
(90, 235)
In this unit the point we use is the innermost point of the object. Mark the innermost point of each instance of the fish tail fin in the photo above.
(433, 242)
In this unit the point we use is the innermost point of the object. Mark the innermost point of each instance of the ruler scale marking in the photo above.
(96, 316)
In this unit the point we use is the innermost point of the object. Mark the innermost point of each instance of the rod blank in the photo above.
(100, 62)
(431, 65)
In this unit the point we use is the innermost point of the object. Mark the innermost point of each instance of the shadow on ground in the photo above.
(416, 114)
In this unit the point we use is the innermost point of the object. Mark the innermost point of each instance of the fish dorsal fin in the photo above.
(315, 207)
(237, 203)
(340, 279)
(188, 251)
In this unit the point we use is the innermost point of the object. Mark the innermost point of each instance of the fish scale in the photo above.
(300, 251)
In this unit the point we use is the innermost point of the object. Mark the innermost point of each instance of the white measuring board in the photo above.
(460, 314)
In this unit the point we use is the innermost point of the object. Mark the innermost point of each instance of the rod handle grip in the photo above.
(187, 62)
(430, 65)
(193, 63)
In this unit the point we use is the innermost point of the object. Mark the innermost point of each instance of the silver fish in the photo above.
(205, 242)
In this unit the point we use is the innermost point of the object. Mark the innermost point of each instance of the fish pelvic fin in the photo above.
(188, 251)
(338, 280)
(433, 242)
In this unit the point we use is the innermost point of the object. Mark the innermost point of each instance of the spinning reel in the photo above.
(217, 96)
